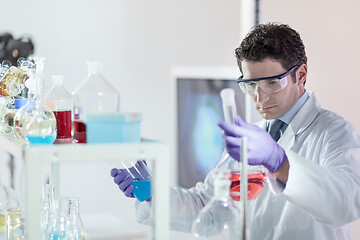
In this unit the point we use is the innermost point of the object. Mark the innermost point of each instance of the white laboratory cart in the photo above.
(35, 157)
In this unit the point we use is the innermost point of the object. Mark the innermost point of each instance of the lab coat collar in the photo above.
(300, 122)
(303, 118)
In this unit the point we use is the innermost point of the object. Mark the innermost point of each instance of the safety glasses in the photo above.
(269, 85)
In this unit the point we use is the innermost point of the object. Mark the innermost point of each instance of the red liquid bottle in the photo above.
(59, 100)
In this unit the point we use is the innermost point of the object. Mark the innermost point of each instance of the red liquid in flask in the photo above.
(79, 131)
(256, 183)
(63, 122)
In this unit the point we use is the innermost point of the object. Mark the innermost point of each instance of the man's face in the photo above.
(273, 105)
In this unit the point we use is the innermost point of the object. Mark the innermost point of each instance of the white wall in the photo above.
(330, 33)
(138, 41)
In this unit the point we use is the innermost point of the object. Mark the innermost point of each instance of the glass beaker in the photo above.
(59, 101)
(256, 173)
(141, 175)
(94, 95)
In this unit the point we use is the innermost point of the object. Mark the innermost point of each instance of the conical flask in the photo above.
(256, 173)
(59, 101)
(59, 219)
(94, 95)
(76, 230)
(220, 218)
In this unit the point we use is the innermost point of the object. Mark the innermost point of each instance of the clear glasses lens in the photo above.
(268, 86)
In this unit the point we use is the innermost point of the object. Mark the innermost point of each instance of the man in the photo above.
(312, 154)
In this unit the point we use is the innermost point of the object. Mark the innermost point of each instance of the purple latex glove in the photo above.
(262, 148)
(123, 178)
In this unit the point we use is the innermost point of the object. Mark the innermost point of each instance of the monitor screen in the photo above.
(199, 108)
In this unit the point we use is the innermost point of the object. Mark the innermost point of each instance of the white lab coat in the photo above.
(322, 194)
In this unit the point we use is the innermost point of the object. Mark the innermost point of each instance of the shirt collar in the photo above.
(288, 117)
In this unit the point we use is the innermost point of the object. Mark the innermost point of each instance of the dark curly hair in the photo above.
(277, 41)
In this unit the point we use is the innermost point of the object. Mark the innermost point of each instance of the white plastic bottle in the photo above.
(94, 95)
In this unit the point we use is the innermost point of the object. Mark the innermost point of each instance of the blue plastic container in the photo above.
(111, 128)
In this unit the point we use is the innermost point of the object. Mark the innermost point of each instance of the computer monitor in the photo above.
(199, 108)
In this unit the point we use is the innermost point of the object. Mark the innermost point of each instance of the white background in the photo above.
(139, 41)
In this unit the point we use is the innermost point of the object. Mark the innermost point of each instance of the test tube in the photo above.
(229, 107)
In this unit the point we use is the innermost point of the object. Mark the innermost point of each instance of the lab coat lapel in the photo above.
(301, 121)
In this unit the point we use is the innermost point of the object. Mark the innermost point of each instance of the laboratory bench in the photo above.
(35, 157)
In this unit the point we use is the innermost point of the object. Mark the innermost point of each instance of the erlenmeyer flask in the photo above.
(256, 174)
(220, 218)
(94, 95)
(76, 229)
(59, 219)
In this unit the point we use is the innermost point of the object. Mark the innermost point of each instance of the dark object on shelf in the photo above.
(12, 49)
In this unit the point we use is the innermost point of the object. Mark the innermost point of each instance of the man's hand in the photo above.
(262, 148)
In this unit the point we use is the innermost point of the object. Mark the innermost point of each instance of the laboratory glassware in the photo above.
(7, 123)
(41, 129)
(11, 74)
(48, 198)
(141, 175)
(16, 85)
(59, 219)
(94, 95)
(66, 222)
(23, 116)
(256, 174)
(59, 100)
(11, 221)
(220, 218)
(76, 228)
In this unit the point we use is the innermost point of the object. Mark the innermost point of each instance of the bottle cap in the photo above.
(95, 67)
(57, 80)
(18, 103)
